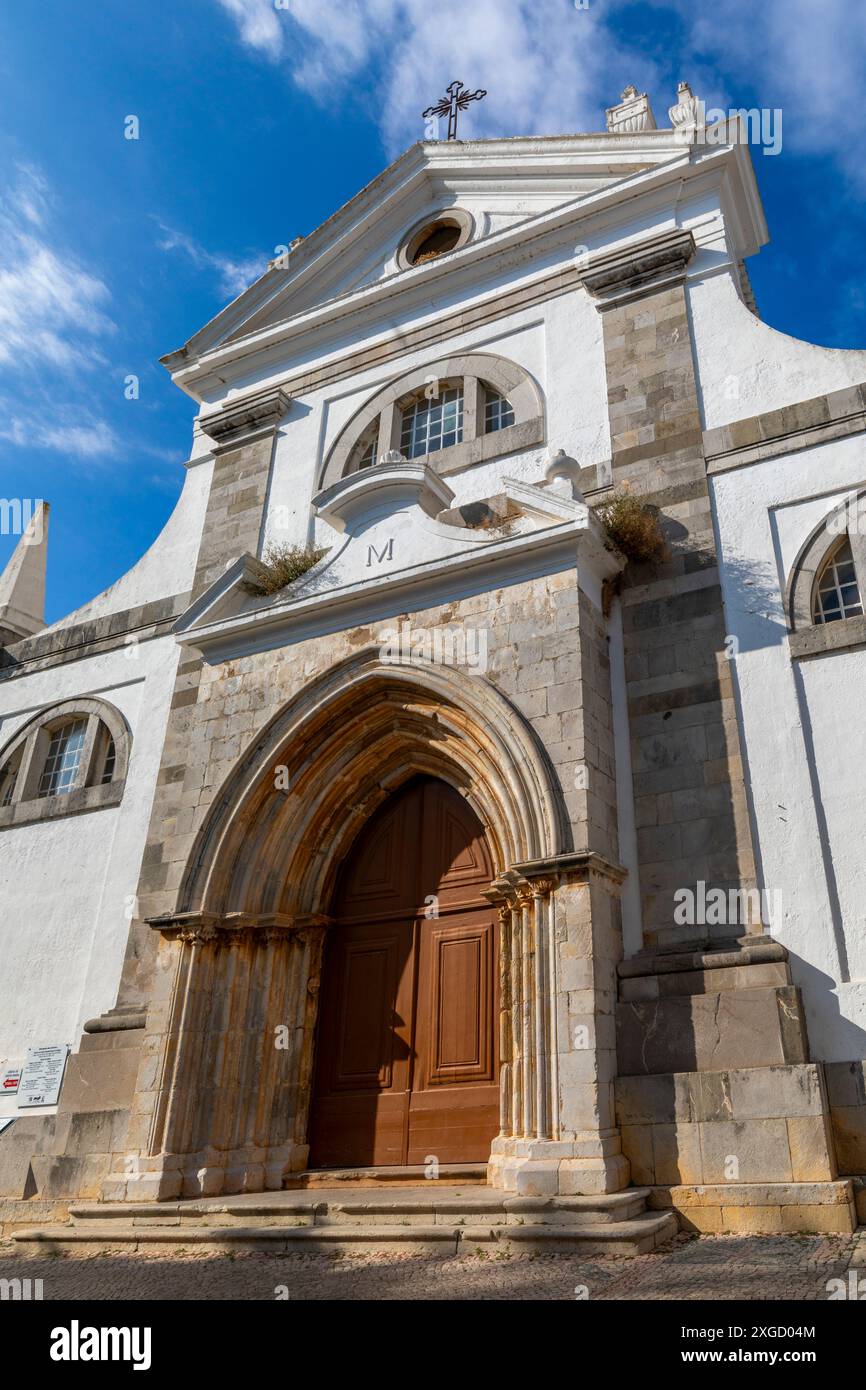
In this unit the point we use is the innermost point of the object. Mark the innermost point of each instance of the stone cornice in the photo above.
(749, 950)
(574, 866)
(210, 625)
(776, 432)
(72, 641)
(200, 927)
(240, 422)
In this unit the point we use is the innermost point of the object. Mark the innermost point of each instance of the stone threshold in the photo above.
(394, 1176)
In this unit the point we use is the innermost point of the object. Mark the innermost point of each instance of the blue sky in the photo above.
(257, 118)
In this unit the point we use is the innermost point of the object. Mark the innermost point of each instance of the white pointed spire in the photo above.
(22, 583)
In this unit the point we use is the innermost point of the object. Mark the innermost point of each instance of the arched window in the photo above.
(436, 240)
(70, 758)
(456, 412)
(827, 582)
(837, 594)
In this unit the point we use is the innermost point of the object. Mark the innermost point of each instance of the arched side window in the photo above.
(454, 413)
(70, 758)
(836, 591)
(827, 583)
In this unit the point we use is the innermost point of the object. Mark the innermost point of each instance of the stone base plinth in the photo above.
(761, 1208)
(559, 1168)
(206, 1174)
(757, 1124)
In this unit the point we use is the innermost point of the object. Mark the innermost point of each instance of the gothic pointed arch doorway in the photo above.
(407, 1057)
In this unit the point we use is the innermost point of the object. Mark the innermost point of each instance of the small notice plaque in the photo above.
(10, 1080)
(43, 1073)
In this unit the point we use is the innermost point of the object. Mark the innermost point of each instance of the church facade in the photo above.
(476, 841)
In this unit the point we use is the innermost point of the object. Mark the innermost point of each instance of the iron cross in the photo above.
(458, 99)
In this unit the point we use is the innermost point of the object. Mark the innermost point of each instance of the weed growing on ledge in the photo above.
(634, 528)
(286, 563)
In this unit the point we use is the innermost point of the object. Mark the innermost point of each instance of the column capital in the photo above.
(239, 422)
(630, 272)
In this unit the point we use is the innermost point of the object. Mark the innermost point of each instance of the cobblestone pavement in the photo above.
(715, 1267)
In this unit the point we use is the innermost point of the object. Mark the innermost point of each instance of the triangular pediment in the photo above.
(498, 185)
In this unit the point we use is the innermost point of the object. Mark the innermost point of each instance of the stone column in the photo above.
(223, 1091)
(564, 945)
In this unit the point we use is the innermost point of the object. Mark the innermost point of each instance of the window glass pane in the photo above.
(64, 756)
(837, 594)
(368, 457)
(8, 775)
(110, 760)
(498, 412)
(430, 425)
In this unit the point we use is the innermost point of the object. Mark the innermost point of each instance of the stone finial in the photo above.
(685, 115)
(22, 583)
(563, 475)
(633, 113)
(393, 456)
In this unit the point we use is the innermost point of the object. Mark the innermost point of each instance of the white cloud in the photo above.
(234, 274)
(804, 57)
(51, 309)
(542, 61)
(63, 430)
(258, 23)
(551, 67)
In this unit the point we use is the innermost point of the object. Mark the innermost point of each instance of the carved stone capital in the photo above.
(630, 272)
(542, 887)
(577, 866)
(241, 422)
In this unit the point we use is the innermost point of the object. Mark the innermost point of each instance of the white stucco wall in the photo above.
(804, 744)
(559, 343)
(67, 885)
(745, 367)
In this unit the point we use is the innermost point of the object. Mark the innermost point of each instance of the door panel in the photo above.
(454, 1107)
(407, 1063)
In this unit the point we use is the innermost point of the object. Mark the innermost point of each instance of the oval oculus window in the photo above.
(434, 241)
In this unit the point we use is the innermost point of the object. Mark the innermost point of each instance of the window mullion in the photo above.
(86, 769)
(32, 761)
(389, 431)
(858, 551)
(473, 408)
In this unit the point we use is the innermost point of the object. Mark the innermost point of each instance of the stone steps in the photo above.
(634, 1237)
(345, 1222)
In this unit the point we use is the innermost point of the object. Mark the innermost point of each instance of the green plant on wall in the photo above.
(283, 564)
(634, 528)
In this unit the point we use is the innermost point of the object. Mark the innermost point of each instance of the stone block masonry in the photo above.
(692, 816)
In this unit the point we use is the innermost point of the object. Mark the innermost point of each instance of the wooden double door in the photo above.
(407, 1061)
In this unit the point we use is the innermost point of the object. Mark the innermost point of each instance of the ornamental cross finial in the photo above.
(458, 99)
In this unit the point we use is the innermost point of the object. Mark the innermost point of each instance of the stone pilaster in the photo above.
(690, 801)
(244, 436)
